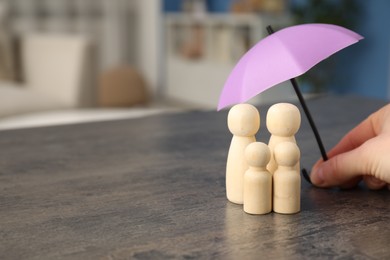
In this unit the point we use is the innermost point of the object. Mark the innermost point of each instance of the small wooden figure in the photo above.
(286, 179)
(257, 180)
(283, 121)
(243, 122)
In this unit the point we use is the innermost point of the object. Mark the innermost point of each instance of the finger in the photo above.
(352, 183)
(347, 185)
(342, 169)
(373, 183)
(357, 136)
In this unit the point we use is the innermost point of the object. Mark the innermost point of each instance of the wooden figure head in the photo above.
(283, 119)
(257, 154)
(243, 120)
(287, 154)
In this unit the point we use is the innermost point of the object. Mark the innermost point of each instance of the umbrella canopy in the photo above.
(281, 56)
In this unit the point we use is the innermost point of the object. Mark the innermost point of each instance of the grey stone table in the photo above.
(154, 188)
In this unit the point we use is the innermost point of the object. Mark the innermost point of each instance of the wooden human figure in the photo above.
(286, 179)
(243, 122)
(257, 180)
(283, 122)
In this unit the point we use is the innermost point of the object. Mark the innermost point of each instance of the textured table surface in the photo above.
(154, 188)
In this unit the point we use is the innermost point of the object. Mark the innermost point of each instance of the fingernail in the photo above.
(376, 181)
(317, 176)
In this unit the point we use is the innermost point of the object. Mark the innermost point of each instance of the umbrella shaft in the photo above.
(309, 118)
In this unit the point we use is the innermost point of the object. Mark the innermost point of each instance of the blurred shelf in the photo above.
(202, 50)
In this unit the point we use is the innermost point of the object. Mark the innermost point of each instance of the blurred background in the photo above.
(81, 60)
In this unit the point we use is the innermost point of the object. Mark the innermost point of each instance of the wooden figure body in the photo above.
(257, 180)
(283, 121)
(286, 179)
(243, 123)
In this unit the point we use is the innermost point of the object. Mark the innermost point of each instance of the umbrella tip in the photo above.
(220, 107)
(270, 30)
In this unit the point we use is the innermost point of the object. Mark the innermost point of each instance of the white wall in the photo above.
(111, 40)
(149, 19)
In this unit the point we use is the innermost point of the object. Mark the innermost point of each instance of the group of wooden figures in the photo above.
(264, 177)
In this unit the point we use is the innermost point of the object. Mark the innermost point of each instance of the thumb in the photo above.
(343, 169)
(346, 169)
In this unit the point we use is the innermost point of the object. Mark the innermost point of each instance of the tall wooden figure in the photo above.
(257, 180)
(283, 122)
(286, 179)
(243, 122)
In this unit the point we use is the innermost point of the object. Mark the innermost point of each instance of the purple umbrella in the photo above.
(283, 56)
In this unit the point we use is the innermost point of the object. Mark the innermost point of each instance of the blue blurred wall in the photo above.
(171, 5)
(214, 6)
(363, 68)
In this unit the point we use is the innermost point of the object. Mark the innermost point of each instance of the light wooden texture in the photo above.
(243, 123)
(287, 179)
(154, 188)
(122, 86)
(257, 180)
(283, 122)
